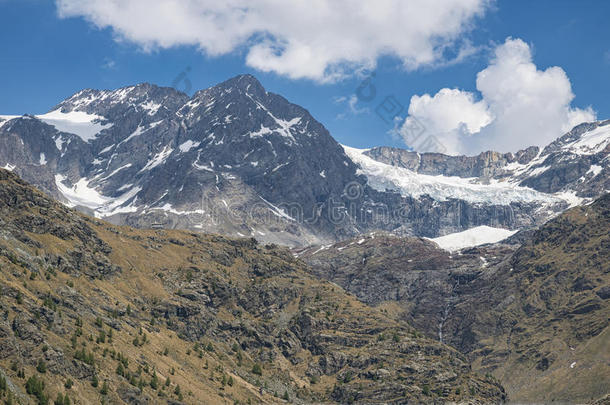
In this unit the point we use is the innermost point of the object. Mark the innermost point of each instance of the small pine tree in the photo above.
(35, 387)
(104, 390)
(95, 381)
(154, 382)
(41, 367)
(257, 369)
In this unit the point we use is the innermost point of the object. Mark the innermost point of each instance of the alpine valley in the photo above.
(224, 248)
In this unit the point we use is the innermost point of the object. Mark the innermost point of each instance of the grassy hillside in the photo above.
(107, 314)
(557, 329)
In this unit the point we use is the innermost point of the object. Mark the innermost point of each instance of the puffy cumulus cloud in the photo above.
(450, 115)
(519, 106)
(323, 40)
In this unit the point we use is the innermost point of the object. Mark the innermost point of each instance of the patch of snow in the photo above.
(539, 170)
(202, 167)
(476, 236)
(158, 159)
(323, 173)
(117, 205)
(81, 194)
(9, 167)
(150, 107)
(570, 197)
(59, 142)
(188, 145)
(285, 126)
(169, 208)
(277, 210)
(276, 168)
(86, 126)
(573, 364)
(125, 187)
(43, 159)
(139, 131)
(107, 149)
(263, 131)
(323, 247)
(595, 169)
(591, 142)
(115, 171)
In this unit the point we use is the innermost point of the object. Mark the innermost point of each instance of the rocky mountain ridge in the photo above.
(577, 162)
(238, 160)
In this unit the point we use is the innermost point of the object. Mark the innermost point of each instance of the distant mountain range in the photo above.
(238, 160)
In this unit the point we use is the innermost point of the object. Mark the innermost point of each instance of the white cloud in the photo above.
(109, 64)
(519, 106)
(352, 106)
(322, 40)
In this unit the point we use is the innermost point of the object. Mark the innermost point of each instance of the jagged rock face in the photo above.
(486, 165)
(577, 162)
(534, 315)
(238, 160)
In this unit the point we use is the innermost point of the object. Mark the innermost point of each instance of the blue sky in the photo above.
(45, 58)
